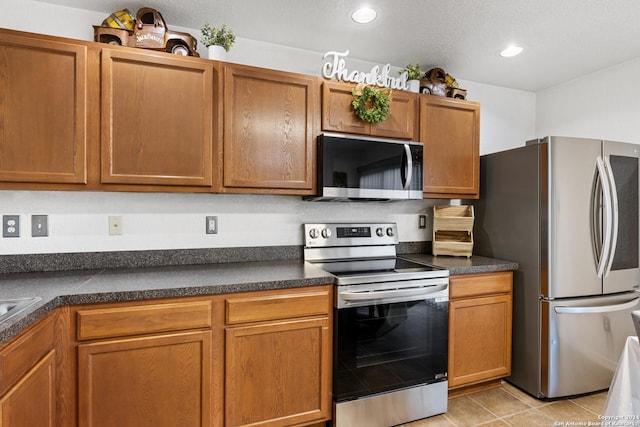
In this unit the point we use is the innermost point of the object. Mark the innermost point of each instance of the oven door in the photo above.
(384, 346)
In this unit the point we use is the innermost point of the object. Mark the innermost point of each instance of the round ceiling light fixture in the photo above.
(511, 51)
(364, 15)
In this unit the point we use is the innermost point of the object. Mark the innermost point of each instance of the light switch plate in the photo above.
(39, 225)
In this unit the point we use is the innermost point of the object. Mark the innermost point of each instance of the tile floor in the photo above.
(509, 406)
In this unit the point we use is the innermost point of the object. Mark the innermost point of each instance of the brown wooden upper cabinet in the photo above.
(76, 115)
(43, 101)
(270, 126)
(338, 115)
(450, 132)
(156, 119)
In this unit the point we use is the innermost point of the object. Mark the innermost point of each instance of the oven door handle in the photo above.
(394, 293)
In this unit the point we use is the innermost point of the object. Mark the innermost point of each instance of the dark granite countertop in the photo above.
(57, 288)
(463, 265)
(116, 285)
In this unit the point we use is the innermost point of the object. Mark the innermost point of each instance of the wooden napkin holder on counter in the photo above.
(453, 230)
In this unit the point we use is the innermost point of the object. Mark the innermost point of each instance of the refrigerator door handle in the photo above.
(614, 214)
(606, 244)
(597, 309)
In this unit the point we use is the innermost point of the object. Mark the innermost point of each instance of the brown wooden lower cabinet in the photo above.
(160, 380)
(28, 378)
(144, 364)
(274, 373)
(278, 358)
(255, 358)
(480, 314)
(31, 402)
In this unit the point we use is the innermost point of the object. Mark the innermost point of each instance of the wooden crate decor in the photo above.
(453, 230)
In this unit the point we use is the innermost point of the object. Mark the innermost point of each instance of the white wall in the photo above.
(507, 116)
(604, 105)
(78, 220)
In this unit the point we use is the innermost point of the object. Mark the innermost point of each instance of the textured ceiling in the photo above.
(563, 39)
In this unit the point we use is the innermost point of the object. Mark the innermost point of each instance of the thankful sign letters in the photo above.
(335, 68)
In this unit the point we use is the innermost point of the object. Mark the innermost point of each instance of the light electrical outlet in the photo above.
(211, 225)
(422, 221)
(10, 225)
(115, 225)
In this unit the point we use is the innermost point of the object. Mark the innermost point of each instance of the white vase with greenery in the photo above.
(414, 74)
(218, 41)
(217, 52)
(414, 85)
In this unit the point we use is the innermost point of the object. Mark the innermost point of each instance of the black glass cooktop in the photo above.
(362, 267)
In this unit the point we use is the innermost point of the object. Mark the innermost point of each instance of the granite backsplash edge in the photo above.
(29, 263)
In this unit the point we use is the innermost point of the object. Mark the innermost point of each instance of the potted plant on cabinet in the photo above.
(218, 40)
(414, 74)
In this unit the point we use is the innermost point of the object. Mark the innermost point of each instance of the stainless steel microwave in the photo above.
(356, 168)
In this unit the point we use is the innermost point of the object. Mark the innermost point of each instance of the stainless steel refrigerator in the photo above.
(567, 210)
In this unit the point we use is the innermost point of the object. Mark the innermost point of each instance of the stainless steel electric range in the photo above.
(390, 326)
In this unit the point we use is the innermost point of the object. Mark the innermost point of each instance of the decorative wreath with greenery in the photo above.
(378, 100)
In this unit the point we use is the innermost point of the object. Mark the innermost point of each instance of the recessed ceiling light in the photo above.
(364, 15)
(511, 51)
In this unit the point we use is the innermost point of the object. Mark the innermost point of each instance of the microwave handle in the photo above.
(408, 167)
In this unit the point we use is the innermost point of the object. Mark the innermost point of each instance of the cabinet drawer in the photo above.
(124, 321)
(273, 307)
(480, 284)
(21, 355)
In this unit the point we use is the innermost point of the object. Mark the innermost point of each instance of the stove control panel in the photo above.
(342, 234)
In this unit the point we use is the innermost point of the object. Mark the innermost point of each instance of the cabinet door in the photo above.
(450, 131)
(402, 119)
(32, 401)
(338, 115)
(269, 131)
(157, 119)
(162, 380)
(22, 353)
(337, 112)
(278, 374)
(43, 105)
(479, 339)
